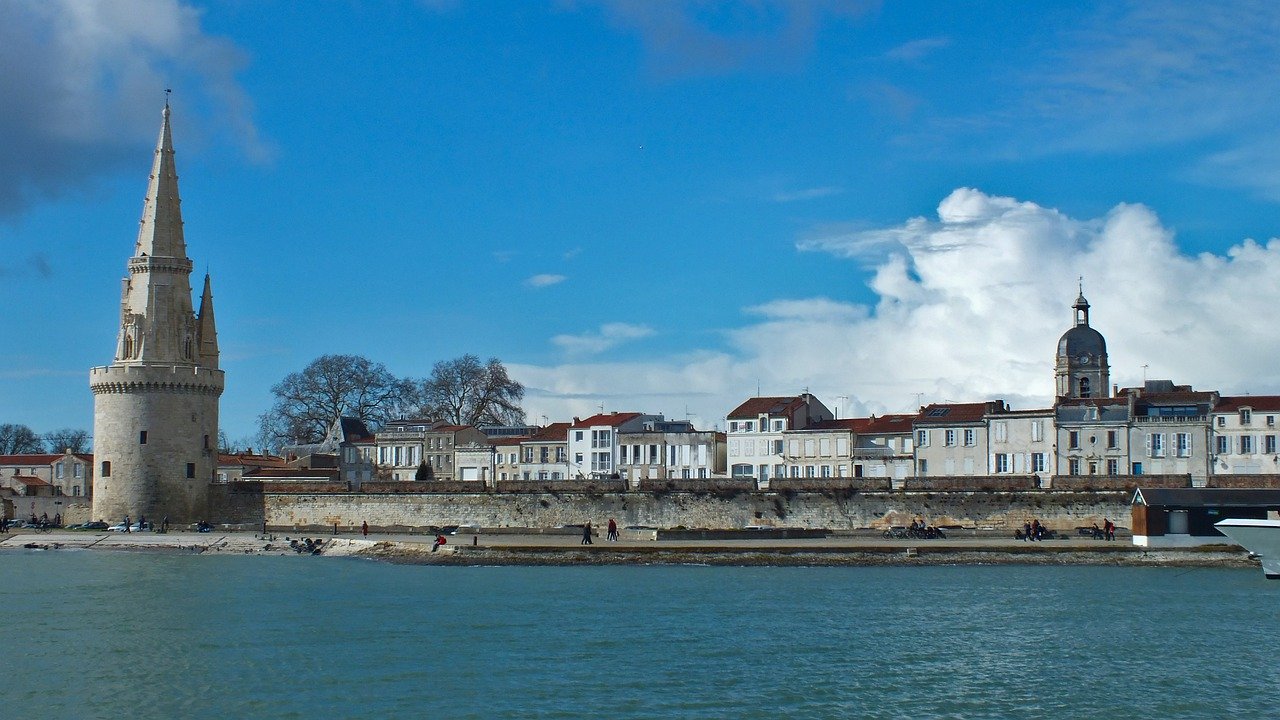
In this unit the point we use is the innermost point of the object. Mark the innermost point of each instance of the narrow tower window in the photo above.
(106, 468)
(1084, 387)
(142, 437)
(191, 470)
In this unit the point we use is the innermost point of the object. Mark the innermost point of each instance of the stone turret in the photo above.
(155, 424)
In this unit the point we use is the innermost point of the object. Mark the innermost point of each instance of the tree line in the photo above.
(462, 391)
(19, 439)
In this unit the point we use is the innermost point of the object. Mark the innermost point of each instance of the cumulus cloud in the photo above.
(969, 306)
(609, 335)
(694, 37)
(83, 84)
(544, 280)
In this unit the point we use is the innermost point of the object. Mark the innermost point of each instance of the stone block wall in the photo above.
(1127, 483)
(1244, 481)
(985, 483)
(715, 510)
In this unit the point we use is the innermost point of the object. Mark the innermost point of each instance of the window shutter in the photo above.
(1150, 450)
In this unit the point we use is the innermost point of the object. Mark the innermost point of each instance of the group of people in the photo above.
(1032, 531)
(612, 533)
(142, 524)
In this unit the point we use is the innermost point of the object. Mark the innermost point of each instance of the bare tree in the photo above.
(332, 386)
(16, 439)
(467, 392)
(77, 441)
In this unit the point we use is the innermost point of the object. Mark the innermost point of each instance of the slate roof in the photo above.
(1208, 497)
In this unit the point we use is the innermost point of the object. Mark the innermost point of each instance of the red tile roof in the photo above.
(30, 481)
(757, 406)
(613, 419)
(503, 442)
(277, 473)
(40, 458)
(887, 424)
(555, 432)
(1263, 403)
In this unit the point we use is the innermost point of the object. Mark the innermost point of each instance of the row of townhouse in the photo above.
(64, 473)
(626, 445)
(1157, 429)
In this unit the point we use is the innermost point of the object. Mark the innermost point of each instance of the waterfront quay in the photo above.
(530, 546)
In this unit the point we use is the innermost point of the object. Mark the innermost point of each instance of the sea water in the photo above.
(125, 635)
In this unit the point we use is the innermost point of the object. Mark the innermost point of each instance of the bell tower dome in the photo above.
(1081, 369)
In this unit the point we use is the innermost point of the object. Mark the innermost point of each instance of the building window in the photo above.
(826, 471)
(1037, 430)
(922, 438)
(1246, 444)
(1037, 462)
(1156, 441)
(1246, 416)
(1113, 467)
(1223, 442)
(733, 426)
(1002, 463)
(1000, 429)
(1269, 444)
(577, 435)
(106, 468)
(1222, 421)
(1085, 390)
(77, 471)
(1073, 441)
(75, 490)
(949, 437)
(970, 437)
(778, 425)
(1271, 421)
(1183, 444)
(57, 470)
(1113, 439)
(191, 470)
(922, 466)
(142, 437)
(1073, 466)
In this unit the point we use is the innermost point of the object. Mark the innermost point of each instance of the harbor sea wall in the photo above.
(831, 509)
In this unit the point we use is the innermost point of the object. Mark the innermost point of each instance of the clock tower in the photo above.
(1082, 370)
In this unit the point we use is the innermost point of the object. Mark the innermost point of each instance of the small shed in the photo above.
(1183, 517)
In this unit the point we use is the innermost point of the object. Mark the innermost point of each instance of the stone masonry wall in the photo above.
(837, 510)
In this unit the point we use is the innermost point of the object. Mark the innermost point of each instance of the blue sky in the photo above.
(653, 206)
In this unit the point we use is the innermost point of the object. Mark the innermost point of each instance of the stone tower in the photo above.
(1082, 370)
(155, 408)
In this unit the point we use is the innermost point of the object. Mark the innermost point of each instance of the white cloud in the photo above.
(544, 280)
(83, 85)
(970, 306)
(813, 193)
(610, 335)
(917, 49)
(694, 38)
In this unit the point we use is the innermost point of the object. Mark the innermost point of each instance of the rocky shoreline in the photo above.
(540, 550)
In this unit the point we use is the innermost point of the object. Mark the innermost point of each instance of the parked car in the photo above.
(135, 527)
(93, 525)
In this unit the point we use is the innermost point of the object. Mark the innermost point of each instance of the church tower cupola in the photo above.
(1081, 368)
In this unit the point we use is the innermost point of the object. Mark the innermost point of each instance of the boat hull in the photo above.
(1259, 537)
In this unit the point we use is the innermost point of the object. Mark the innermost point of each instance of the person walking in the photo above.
(586, 533)
(364, 528)
(126, 523)
(613, 530)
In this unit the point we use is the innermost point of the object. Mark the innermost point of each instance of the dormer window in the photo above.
(1246, 415)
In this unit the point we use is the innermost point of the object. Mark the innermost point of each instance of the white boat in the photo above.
(1260, 537)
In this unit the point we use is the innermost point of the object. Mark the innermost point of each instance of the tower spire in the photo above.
(206, 328)
(160, 233)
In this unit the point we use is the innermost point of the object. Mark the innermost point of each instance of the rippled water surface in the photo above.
(101, 634)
